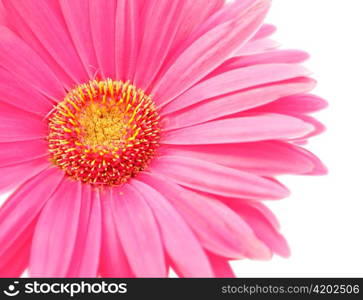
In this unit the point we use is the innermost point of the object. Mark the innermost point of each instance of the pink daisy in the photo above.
(143, 135)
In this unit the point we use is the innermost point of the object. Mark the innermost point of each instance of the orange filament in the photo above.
(103, 132)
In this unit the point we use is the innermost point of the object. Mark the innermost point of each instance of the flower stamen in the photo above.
(103, 132)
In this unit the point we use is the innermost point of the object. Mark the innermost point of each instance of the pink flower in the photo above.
(143, 135)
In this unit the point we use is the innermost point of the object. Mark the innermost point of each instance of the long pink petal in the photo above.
(196, 14)
(56, 232)
(319, 167)
(102, 15)
(157, 37)
(15, 174)
(218, 228)
(18, 261)
(87, 248)
(221, 267)
(19, 125)
(317, 126)
(128, 33)
(233, 81)
(265, 31)
(139, 233)
(21, 209)
(271, 57)
(24, 63)
(19, 26)
(209, 51)
(19, 93)
(193, 19)
(267, 213)
(244, 129)
(294, 104)
(44, 18)
(184, 250)
(216, 179)
(267, 158)
(225, 105)
(312, 125)
(2, 14)
(113, 261)
(229, 11)
(257, 47)
(78, 23)
(261, 226)
(18, 152)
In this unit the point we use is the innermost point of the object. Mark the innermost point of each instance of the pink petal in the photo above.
(113, 261)
(45, 20)
(236, 130)
(102, 15)
(19, 212)
(127, 39)
(13, 175)
(18, 152)
(257, 47)
(78, 23)
(262, 227)
(314, 123)
(218, 228)
(153, 51)
(15, 265)
(2, 14)
(295, 104)
(315, 126)
(319, 167)
(268, 214)
(184, 250)
(195, 15)
(87, 248)
(209, 51)
(138, 232)
(56, 232)
(19, 125)
(227, 12)
(221, 267)
(24, 63)
(271, 57)
(225, 105)
(268, 158)
(18, 93)
(233, 81)
(216, 179)
(265, 31)
(20, 27)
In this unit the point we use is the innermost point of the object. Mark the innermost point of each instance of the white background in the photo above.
(323, 219)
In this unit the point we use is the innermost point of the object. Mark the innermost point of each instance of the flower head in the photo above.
(103, 132)
(144, 135)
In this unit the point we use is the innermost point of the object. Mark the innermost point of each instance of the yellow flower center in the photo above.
(103, 132)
